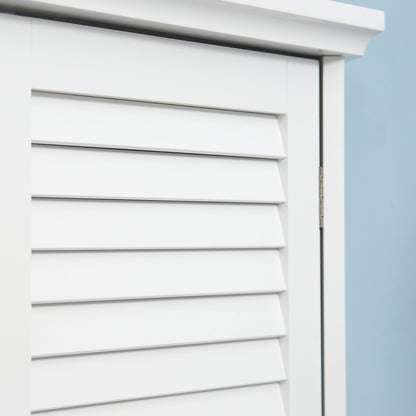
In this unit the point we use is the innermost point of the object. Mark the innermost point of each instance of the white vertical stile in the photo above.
(301, 258)
(14, 216)
(334, 235)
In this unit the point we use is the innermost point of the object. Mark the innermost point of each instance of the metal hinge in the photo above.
(321, 197)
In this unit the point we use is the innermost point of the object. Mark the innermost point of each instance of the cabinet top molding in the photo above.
(315, 28)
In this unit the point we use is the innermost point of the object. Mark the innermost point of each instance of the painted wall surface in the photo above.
(381, 218)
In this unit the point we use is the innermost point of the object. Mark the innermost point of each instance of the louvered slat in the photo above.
(67, 224)
(66, 329)
(265, 400)
(135, 175)
(83, 380)
(87, 121)
(113, 275)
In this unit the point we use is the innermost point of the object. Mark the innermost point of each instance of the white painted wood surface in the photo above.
(86, 121)
(67, 381)
(334, 236)
(327, 28)
(68, 329)
(243, 222)
(335, 28)
(265, 400)
(128, 275)
(69, 224)
(81, 172)
(14, 217)
(76, 59)
(242, 213)
(300, 218)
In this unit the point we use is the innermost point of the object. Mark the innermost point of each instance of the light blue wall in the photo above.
(381, 218)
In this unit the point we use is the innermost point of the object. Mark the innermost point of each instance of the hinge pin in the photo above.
(321, 197)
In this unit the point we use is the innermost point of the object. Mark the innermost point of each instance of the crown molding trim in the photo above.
(316, 28)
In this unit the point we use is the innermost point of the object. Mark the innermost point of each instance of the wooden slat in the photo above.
(66, 329)
(136, 175)
(87, 276)
(99, 62)
(86, 121)
(88, 379)
(265, 400)
(65, 224)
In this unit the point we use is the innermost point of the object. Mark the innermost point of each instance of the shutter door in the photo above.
(175, 264)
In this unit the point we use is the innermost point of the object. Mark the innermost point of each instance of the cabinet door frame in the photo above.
(16, 247)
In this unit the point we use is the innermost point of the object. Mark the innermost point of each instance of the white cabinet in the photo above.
(162, 246)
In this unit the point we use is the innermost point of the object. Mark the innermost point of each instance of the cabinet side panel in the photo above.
(334, 236)
(14, 216)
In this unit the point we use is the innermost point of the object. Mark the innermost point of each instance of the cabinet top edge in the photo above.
(317, 28)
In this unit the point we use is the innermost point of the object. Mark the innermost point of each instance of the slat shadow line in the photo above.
(46, 197)
(155, 298)
(161, 151)
(39, 250)
(154, 347)
(100, 97)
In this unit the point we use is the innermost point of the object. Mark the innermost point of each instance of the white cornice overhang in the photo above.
(315, 28)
